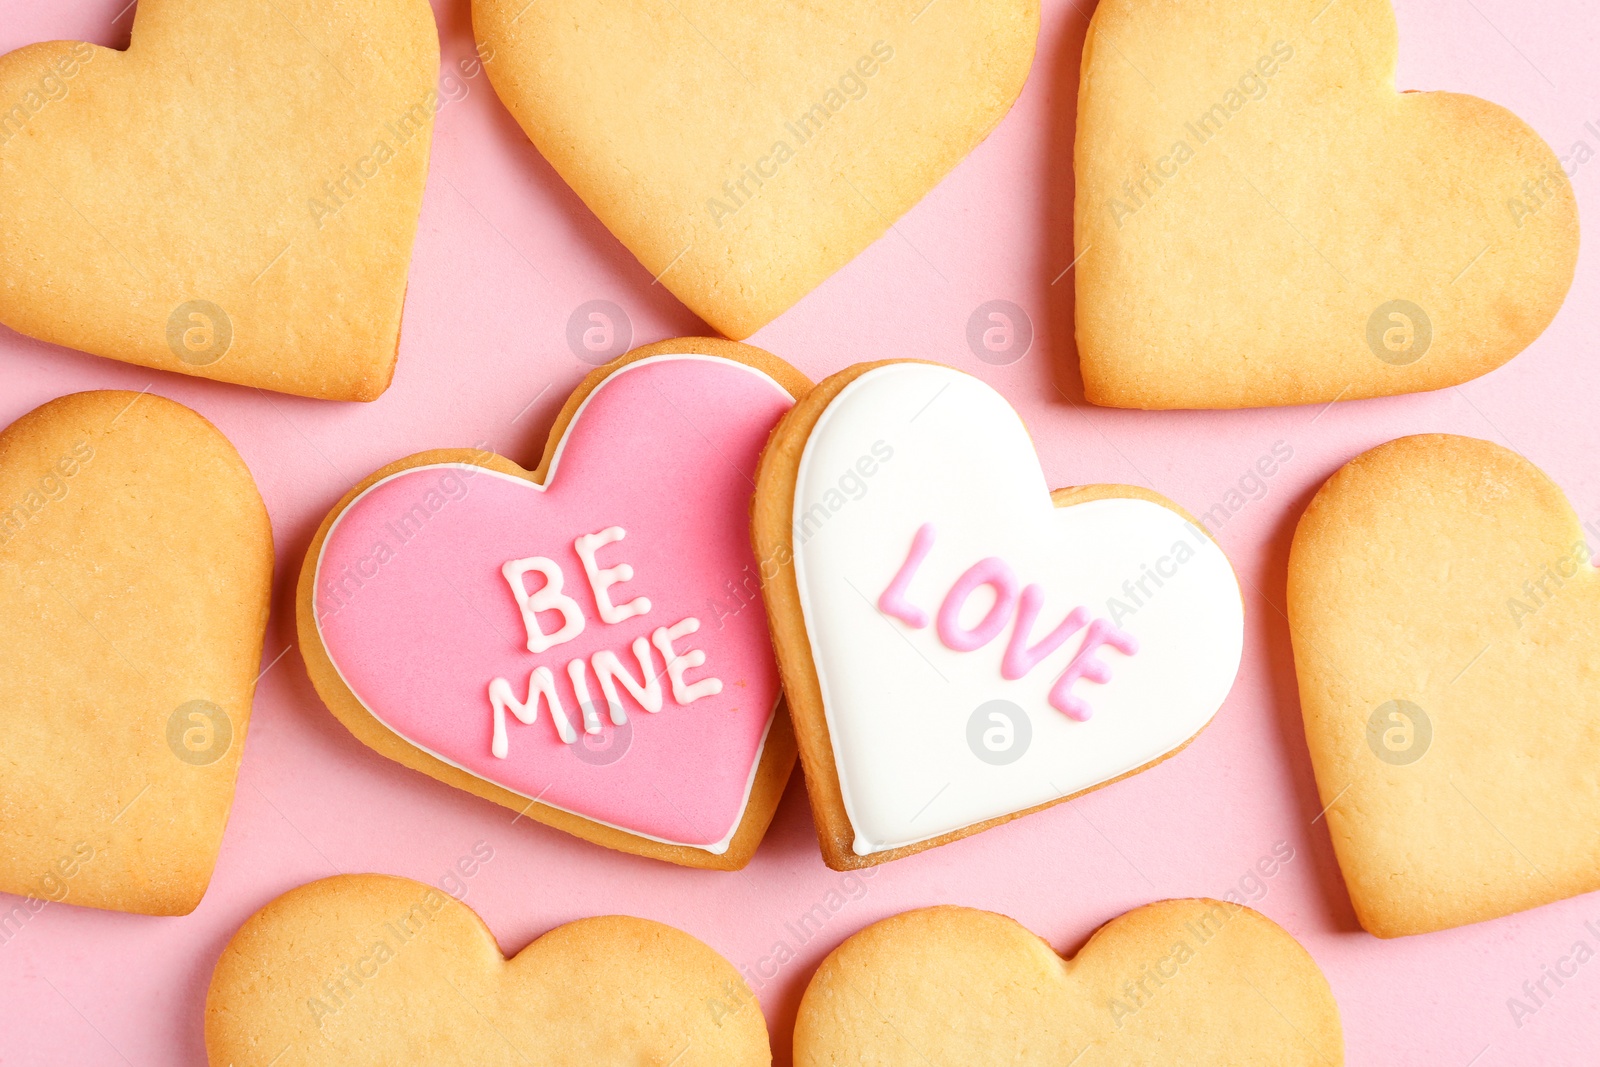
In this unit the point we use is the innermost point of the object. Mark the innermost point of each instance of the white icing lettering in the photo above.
(580, 688)
(548, 598)
(607, 666)
(602, 579)
(541, 685)
(679, 663)
(609, 670)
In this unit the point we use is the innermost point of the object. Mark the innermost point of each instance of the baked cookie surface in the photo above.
(1446, 626)
(743, 153)
(1180, 981)
(370, 971)
(1260, 218)
(135, 577)
(233, 197)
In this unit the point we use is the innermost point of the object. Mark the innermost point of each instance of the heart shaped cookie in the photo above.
(1446, 627)
(745, 152)
(959, 645)
(373, 970)
(1261, 219)
(233, 197)
(1197, 982)
(135, 575)
(584, 643)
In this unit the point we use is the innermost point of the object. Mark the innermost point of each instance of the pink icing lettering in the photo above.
(893, 601)
(1020, 658)
(1085, 664)
(992, 572)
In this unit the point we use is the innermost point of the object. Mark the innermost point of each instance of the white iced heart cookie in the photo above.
(960, 645)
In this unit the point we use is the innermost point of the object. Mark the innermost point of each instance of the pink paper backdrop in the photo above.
(506, 253)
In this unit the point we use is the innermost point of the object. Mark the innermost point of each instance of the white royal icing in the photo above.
(902, 705)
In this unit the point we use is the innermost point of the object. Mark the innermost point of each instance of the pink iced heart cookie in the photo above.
(959, 644)
(582, 643)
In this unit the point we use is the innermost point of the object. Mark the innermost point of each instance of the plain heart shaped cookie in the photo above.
(583, 643)
(1197, 982)
(233, 197)
(745, 152)
(1260, 218)
(370, 971)
(1446, 622)
(959, 645)
(135, 577)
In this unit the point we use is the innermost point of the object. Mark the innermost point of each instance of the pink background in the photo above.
(505, 253)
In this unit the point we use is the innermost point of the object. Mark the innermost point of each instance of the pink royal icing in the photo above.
(475, 613)
(1085, 664)
(1021, 657)
(996, 575)
(893, 601)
